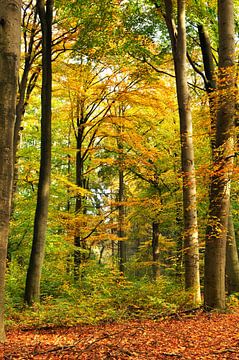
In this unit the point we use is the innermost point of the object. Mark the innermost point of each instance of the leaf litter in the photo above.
(199, 335)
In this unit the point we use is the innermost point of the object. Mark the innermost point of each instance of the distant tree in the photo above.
(10, 30)
(122, 249)
(92, 93)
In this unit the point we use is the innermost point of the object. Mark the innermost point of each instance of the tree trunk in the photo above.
(122, 249)
(121, 233)
(10, 29)
(156, 251)
(26, 84)
(191, 248)
(216, 237)
(179, 244)
(232, 263)
(210, 80)
(32, 290)
(79, 255)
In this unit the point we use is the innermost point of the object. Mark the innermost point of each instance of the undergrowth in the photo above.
(101, 295)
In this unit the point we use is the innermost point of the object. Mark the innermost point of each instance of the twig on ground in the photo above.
(85, 349)
(171, 354)
(225, 351)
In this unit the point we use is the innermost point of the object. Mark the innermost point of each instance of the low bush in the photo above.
(102, 294)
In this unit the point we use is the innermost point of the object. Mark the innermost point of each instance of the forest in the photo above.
(118, 173)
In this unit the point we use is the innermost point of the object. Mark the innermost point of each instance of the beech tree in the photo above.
(92, 94)
(122, 250)
(32, 290)
(209, 77)
(232, 263)
(215, 252)
(10, 29)
(177, 32)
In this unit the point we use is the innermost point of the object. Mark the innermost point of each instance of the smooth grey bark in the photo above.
(232, 263)
(10, 30)
(32, 289)
(216, 237)
(209, 80)
(191, 248)
(179, 244)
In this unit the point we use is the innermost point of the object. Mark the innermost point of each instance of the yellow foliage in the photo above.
(71, 187)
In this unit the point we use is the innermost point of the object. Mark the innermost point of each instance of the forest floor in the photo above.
(192, 336)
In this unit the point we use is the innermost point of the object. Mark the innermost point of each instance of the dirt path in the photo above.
(202, 336)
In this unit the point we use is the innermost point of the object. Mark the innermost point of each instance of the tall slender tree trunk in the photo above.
(178, 225)
(80, 246)
(10, 29)
(32, 290)
(191, 248)
(155, 251)
(179, 244)
(78, 255)
(122, 249)
(232, 263)
(216, 237)
(121, 233)
(114, 244)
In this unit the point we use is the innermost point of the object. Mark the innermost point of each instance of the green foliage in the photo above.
(15, 284)
(103, 294)
(233, 301)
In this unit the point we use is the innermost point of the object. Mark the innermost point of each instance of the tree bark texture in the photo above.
(209, 80)
(216, 237)
(191, 248)
(32, 290)
(232, 262)
(10, 30)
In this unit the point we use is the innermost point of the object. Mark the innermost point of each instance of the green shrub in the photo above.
(102, 294)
